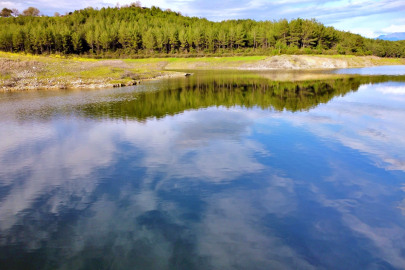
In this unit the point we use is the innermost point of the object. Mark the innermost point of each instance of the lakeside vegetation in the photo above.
(136, 32)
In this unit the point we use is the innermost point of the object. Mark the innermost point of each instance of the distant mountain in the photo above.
(393, 36)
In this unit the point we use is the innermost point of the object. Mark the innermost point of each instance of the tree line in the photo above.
(134, 31)
(31, 11)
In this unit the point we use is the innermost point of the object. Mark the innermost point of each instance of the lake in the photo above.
(219, 170)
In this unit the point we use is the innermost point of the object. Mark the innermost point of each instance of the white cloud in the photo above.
(166, 144)
(81, 157)
(207, 132)
(365, 32)
(394, 28)
(392, 90)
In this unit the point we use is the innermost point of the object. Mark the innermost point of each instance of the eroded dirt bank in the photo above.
(285, 62)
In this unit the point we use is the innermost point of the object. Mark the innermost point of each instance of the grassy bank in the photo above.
(24, 72)
(20, 72)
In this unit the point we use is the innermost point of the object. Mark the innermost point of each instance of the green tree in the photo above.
(130, 29)
(18, 40)
(149, 40)
(31, 11)
(77, 42)
(6, 12)
(296, 32)
(90, 39)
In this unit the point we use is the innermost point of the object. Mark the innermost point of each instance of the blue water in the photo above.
(378, 70)
(87, 181)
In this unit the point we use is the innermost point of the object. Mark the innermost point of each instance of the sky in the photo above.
(369, 18)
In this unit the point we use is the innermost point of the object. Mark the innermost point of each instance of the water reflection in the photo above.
(216, 173)
(248, 92)
(377, 70)
(159, 99)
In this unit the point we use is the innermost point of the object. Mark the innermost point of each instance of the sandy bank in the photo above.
(283, 62)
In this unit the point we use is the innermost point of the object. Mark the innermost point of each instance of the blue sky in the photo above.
(370, 18)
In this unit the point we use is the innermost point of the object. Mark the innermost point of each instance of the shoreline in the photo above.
(29, 72)
(78, 84)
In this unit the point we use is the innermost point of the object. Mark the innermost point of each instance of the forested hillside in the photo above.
(144, 32)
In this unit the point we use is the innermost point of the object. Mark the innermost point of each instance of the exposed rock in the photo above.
(131, 83)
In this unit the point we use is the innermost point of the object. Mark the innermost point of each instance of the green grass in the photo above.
(5, 76)
(101, 72)
(199, 59)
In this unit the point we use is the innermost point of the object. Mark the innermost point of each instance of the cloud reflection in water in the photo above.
(211, 188)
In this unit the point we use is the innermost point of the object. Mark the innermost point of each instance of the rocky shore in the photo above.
(38, 84)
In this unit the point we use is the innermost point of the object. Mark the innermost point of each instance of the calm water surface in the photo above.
(215, 171)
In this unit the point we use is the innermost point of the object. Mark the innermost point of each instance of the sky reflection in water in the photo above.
(206, 179)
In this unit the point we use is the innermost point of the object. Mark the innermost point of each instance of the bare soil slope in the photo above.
(286, 62)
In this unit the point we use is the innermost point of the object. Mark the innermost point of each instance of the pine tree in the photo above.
(128, 30)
